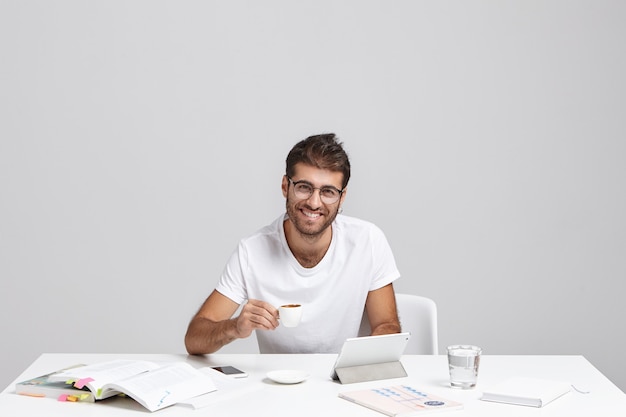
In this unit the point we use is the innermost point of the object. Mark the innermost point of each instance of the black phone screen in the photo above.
(228, 370)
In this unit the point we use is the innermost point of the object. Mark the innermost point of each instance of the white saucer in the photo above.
(288, 376)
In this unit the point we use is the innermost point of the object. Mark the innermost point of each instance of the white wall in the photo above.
(140, 140)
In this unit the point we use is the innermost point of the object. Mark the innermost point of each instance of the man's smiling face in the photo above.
(311, 216)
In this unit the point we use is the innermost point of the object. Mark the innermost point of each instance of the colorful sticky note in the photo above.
(32, 394)
(63, 397)
(72, 398)
(82, 382)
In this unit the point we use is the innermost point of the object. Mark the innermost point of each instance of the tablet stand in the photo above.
(371, 372)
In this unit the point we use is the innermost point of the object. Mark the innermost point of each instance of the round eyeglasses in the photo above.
(304, 190)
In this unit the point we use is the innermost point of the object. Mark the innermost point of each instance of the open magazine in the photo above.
(152, 385)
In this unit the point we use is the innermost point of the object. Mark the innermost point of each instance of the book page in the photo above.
(228, 389)
(165, 386)
(97, 375)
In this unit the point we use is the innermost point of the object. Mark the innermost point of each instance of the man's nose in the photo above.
(315, 200)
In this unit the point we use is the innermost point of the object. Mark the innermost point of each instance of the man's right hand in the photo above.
(256, 314)
(212, 327)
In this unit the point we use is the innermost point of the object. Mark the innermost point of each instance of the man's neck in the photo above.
(308, 250)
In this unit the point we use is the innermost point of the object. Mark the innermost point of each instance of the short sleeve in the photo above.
(232, 283)
(385, 270)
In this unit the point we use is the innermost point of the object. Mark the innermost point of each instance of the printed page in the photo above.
(165, 386)
(97, 375)
(228, 389)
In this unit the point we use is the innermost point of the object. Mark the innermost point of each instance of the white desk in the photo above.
(318, 395)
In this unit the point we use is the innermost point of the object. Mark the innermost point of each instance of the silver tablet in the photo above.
(369, 350)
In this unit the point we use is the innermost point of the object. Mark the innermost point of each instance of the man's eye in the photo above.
(304, 188)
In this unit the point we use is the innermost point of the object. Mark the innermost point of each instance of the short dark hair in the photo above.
(321, 151)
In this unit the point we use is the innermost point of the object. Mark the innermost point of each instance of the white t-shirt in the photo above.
(332, 293)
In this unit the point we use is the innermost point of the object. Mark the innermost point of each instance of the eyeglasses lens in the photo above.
(328, 195)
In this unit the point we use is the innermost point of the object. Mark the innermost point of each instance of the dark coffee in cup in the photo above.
(290, 314)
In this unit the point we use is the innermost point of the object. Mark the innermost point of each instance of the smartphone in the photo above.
(230, 371)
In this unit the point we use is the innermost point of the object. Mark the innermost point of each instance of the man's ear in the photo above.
(285, 186)
(343, 196)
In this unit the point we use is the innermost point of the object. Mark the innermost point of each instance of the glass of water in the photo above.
(463, 361)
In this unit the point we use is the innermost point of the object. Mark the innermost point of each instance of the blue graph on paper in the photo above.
(409, 397)
(399, 399)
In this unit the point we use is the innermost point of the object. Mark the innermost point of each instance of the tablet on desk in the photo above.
(370, 350)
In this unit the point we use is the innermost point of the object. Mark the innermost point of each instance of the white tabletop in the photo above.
(317, 396)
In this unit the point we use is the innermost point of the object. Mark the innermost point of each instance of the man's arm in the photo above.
(212, 327)
(381, 311)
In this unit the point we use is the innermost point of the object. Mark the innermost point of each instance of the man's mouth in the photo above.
(310, 214)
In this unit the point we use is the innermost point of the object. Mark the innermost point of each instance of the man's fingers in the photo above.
(259, 315)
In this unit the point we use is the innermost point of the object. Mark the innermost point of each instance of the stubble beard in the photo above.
(305, 230)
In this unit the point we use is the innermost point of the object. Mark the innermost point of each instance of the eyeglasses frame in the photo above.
(294, 183)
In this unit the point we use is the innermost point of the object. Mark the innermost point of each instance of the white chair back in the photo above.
(418, 315)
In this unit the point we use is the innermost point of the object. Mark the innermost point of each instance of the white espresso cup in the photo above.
(290, 314)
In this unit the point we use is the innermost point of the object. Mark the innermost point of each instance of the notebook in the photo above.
(531, 392)
(370, 350)
(400, 401)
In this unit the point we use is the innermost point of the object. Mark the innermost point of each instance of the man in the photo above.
(335, 266)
